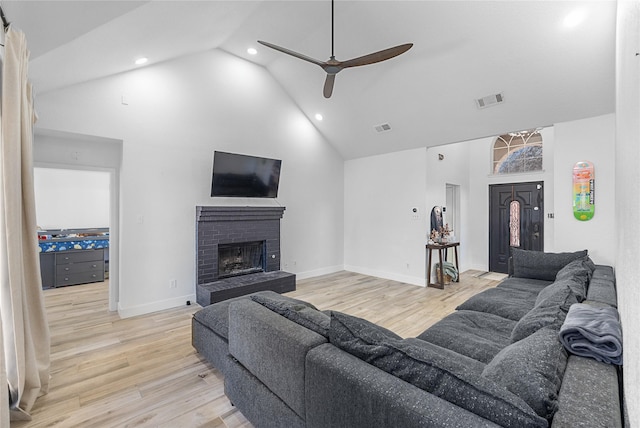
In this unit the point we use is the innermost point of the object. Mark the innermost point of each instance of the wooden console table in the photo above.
(441, 250)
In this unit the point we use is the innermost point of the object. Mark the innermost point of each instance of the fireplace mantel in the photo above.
(209, 213)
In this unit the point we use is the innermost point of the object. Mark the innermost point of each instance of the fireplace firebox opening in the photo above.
(241, 258)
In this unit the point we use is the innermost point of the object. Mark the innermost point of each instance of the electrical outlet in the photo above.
(173, 283)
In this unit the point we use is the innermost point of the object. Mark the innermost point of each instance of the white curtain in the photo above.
(25, 331)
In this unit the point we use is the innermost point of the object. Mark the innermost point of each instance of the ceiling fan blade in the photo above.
(292, 53)
(328, 85)
(382, 55)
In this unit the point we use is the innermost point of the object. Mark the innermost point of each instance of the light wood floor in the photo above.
(143, 371)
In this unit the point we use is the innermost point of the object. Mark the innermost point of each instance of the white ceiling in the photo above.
(463, 50)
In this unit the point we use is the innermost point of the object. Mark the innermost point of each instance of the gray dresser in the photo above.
(75, 265)
(79, 267)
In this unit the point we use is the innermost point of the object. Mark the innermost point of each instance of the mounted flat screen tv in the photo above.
(236, 175)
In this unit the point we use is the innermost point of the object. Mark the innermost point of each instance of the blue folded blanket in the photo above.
(593, 332)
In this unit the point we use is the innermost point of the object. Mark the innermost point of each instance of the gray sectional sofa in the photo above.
(496, 361)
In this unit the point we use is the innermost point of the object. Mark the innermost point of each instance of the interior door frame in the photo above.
(526, 238)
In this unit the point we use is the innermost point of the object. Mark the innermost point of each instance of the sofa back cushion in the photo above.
(540, 265)
(305, 315)
(532, 369)
(579, 289)
(580, 270)
(216, 316)
(439, 371)
(548, 312)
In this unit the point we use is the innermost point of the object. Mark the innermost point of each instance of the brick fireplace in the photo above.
(238, 252)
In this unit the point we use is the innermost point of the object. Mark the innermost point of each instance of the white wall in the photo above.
(593, 140)
(172, 118)
(472, 164)
(382, 238)
(379, 241)
(626, 233)
(453, 169)
(469, 163)
(67, 198)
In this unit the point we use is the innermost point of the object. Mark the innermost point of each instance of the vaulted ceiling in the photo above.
(553, 61)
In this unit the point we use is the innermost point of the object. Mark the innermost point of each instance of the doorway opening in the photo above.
(66, 150)
(77, 204)
(451, 216)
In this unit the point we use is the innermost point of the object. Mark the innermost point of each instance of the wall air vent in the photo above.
(490, 100)
(383, 127)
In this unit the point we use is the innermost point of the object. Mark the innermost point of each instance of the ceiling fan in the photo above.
(333, 66)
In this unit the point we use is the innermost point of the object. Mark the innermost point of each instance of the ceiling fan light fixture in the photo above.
(252, 51)
(319, 117)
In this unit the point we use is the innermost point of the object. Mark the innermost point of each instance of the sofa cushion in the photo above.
(532, 369)
(577, 288)
(579, 270)
(299, 313)
(506, 303)
(216, 316)
(550, 312)
(345, 392)
(437, 370)
(540, 265)
(477, 335)
(524, 284)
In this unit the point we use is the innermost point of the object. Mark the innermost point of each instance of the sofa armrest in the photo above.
(342, 390)
(589, 395)
(602, 287)
(272, 348)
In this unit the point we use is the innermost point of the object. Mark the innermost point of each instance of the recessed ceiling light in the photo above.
(574, 18)
(319, 116)
(252, 51)
(141, 61)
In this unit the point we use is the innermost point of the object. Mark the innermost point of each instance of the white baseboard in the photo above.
(159, 305)
(318, 272)
(413, 280)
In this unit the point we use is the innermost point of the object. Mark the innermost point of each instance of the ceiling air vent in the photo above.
(490, 100)
(383, 127)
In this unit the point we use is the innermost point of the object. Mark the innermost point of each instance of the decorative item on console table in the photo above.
(441, 235)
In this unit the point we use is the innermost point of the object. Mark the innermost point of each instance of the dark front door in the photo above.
(519, 224)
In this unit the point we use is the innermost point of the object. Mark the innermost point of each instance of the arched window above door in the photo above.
(518, 152)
